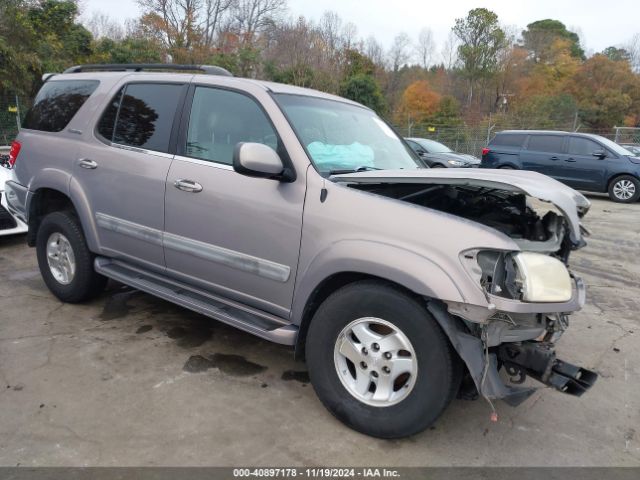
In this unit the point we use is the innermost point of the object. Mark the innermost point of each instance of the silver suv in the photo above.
(303, 218)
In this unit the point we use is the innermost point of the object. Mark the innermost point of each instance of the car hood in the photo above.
(571, 203)
(461, 157)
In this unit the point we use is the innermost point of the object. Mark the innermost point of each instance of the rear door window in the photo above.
(143, 116)
(546, 143)
(582, 146)
(56, 104)
(508, 140)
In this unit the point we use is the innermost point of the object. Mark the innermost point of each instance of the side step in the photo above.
(259, 323)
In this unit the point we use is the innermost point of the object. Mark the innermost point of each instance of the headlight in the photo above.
(542, 278)
(455, 163)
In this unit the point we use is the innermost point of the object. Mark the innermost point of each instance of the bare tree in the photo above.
(102, 25)
(633, 47)
(399, 54)
(425, 47)
(214, 15)
(450, 51)
(174, 21)
(251, 16)
(374, 51)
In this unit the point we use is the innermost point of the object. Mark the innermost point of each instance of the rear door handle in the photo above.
(187, 186)
(570, 160)
(554, 158)
(87, 163)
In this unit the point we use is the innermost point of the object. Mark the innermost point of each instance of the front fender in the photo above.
(412, 270)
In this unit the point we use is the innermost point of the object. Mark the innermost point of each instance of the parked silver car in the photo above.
(301, 217)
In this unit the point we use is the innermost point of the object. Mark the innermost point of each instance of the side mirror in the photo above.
(259, 160)
(600, 153)
(421, 152)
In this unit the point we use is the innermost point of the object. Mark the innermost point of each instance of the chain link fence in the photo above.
(12, 110)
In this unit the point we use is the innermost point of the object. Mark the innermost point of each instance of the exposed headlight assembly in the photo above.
(542, 278)
(455, 163)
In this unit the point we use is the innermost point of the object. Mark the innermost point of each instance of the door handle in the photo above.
(87, 163)
(570, 160)
(554, 158)
(187, 186)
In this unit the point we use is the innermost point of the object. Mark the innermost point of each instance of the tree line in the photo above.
(538, 77)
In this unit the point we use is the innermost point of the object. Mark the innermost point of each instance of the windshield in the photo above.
(434, 147)
(617, 149)
(339, 136)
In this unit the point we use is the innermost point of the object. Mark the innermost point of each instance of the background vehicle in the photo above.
(437, 155)
(634, 149)
(301, 217)
(582, 161)
(9, 224)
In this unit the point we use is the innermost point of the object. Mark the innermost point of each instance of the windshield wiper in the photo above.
(343, 171)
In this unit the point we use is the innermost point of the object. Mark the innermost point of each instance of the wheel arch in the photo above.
(406, 271)
(43, 201)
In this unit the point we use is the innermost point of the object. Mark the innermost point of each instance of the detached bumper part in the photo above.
(539, 361)
(528, 358)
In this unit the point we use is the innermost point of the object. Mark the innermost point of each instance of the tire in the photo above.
(437, 165)
(624, 189)
(506, 167)
(60, 232)
(429, 391)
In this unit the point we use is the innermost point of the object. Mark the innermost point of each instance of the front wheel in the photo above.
(65, 262)
(379, 361)
(624, 189)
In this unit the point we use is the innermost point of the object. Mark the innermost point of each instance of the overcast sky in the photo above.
(599, 23)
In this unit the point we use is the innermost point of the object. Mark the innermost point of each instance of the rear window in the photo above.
(508, 140)
(56, 104)
(141, 116)
(546, 143)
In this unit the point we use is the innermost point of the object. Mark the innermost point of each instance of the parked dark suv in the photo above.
(582, 161)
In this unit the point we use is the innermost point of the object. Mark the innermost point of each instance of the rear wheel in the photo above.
(624, 189)
(379, 361)
(65, 262)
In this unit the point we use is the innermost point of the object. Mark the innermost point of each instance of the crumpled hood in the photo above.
(571, 203)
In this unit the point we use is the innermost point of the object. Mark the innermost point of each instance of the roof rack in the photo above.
(138, 67)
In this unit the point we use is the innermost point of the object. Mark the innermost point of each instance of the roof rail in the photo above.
(137, 67)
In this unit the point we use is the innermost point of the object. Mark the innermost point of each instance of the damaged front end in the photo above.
(529, 291)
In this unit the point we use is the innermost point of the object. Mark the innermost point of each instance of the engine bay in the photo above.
(534, 227)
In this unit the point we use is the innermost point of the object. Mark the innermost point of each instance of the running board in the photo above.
(232, 313)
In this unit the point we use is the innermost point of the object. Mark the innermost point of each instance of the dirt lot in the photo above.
(133, 380)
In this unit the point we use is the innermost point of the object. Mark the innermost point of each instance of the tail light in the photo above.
(485, 150)
(14, 152)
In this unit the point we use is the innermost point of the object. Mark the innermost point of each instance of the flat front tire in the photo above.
(379, 361)
(65, 262)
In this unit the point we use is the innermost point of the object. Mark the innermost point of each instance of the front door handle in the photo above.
(87, 163)
(187, 186)
(570, 160)
(554, 158)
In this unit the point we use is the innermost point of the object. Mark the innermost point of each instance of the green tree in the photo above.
(482, 40)
(539, 37)
(616, 54)
(364, 89)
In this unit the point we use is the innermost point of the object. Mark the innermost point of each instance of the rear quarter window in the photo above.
(56, 104)
(508, 139)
